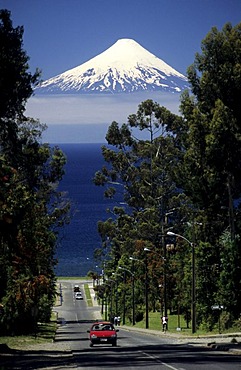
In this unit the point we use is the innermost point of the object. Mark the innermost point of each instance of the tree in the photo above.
(16, 83)
(212, 150)
(190, 164)
(216, 73)
(214, 122)
(145, 171)
(32, 209)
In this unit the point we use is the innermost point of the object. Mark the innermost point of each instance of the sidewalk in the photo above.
(60, 351)
(223, 342)
(96, 306)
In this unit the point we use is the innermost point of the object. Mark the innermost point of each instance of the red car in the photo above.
(103, 332)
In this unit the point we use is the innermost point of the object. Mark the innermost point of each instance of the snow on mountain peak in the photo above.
(124, 67)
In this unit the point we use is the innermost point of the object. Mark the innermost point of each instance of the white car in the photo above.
(78, 295)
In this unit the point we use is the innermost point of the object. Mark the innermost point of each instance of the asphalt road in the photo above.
(134, 350)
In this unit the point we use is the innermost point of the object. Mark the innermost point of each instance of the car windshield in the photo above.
(103, 327)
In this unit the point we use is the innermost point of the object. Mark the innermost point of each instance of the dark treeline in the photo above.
(185, 179)
(31, 208)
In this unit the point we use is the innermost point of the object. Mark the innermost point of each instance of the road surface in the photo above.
(134, 350)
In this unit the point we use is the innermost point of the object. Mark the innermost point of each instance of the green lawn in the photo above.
(88, 296)
(73, 278)
(45, 333)
(155, 324)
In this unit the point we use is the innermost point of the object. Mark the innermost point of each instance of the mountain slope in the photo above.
(125, 67)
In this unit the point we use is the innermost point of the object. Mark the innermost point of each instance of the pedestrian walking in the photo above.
(164, 323)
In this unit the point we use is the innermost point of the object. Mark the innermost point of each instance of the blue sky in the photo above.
(61, 34)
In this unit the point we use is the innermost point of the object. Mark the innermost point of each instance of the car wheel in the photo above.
(91, 345)
(114, 344)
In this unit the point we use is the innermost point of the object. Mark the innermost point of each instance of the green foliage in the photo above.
(185, 176)
(16, 83)
(31, 208)
(44, 333)
(143, 172)
(211, 165)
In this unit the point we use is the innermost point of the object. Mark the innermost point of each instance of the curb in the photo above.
(212, 345)
(225, 348)
(95, 303)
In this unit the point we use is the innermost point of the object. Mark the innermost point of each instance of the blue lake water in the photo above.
(80, 238)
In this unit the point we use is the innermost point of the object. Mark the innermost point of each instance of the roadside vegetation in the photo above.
(88, 295)
(32, 210)
(184, 179)
(175, 227)
(44, 333)
(155, 324)
(73, 278)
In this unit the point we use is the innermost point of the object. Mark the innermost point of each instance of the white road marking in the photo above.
(161, 362)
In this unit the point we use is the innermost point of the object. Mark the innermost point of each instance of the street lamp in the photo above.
(193, 308)
(115, 275)
(111, 297)
(124, 300)
(164, 280)
(146, 285)
(146, 290)
(133, 289)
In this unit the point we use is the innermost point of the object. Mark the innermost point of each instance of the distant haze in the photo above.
(79, 105)
(85, 118)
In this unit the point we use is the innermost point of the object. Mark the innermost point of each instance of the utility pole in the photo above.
(146, 293)
(193, 305)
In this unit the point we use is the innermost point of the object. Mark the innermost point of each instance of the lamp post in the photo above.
(146, 288)
(124, 300)
(193, 308)
(116, 292)
(146, 285)
(123, 276)
(111, 298)
(106, 305)
(164, 224)
(164, 280)
(133, 289)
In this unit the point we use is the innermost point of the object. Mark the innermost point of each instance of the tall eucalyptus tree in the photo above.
(145, 168)
(212, 159)
(31, 208)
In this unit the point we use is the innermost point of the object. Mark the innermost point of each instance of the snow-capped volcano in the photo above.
(125, 67)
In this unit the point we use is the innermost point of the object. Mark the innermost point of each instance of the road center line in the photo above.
(159, 361)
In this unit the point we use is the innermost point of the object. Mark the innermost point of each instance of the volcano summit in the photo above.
(124, 67)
